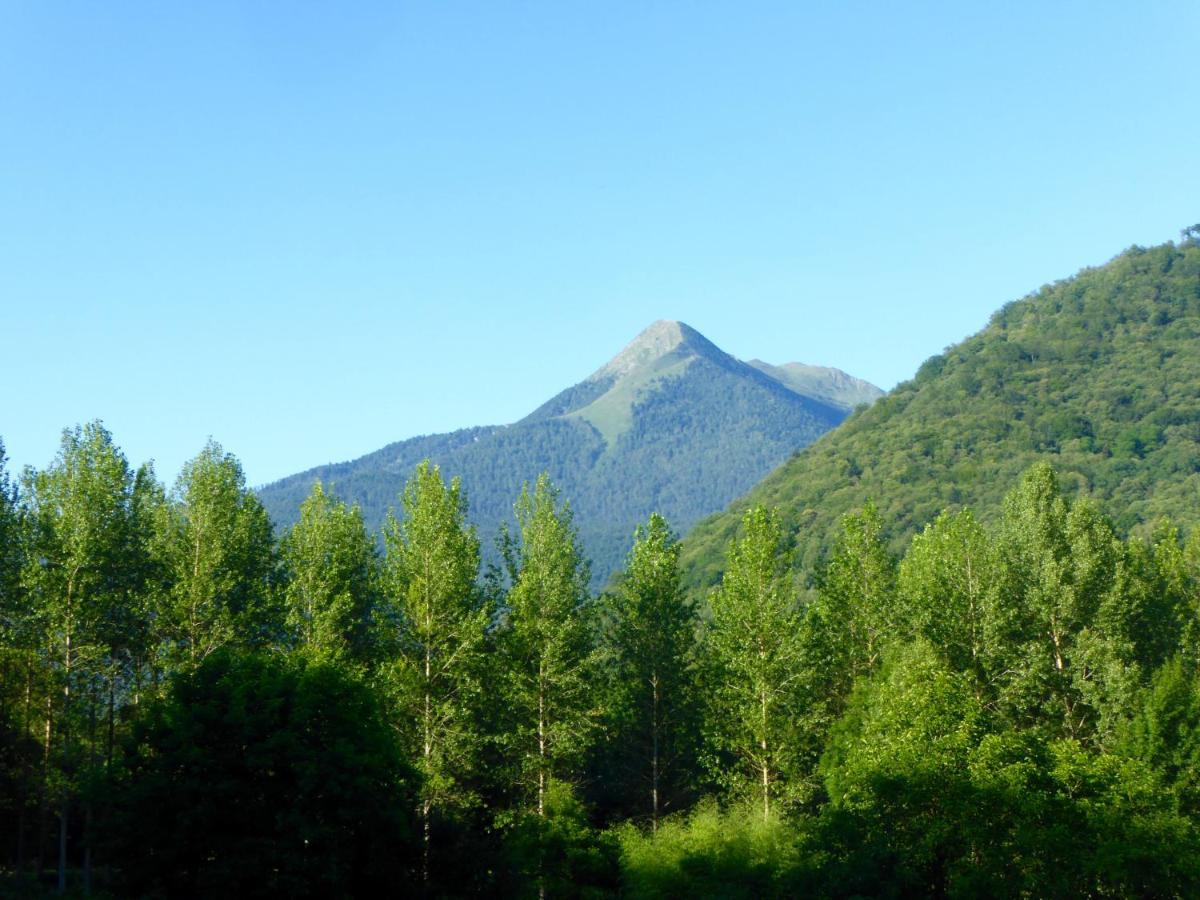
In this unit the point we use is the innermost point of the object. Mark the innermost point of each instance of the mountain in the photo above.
(833, 386)
(671, 424)
(1098, 375)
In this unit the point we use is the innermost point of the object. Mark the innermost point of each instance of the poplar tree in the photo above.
(21, 676)
(83, 550)
(547, 650)
(757, 666)
(435, 621)
(220, 551)
(330, 563)
(651, 636)
(1057, 563)
(858, 598)
(944, 584)
(11, 556)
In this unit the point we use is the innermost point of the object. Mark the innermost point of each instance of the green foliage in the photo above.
(915, 718)
(1096, 374)
(858, 596)
(547, 658)
(709, 853)
(261, 776)
(11, 555)
(651, 710)
(757, 680)
(943, 586)
(557, 853)
(1010, 707)
(431, 626)
(330, 565)
(1165, 732)
(1058, 561)
(218, 546)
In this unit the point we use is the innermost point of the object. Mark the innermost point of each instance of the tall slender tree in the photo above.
(11, 555)
(435, 620)
(547, 647)
(330, 563)
(943, 584)
(21, 675)
(859, 603)
(651, 637)
(222, 560)
(757, 665)
(77, 576)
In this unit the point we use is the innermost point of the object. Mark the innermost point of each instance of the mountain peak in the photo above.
(654, 342)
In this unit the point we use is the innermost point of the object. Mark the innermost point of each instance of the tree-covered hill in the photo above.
(672, 424)
(1098, 374)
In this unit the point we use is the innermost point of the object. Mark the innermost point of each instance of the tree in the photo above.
(82, 558)
(1057, 563)
(11, 557)
(651, 635)
(261, 776)
(546, 646)
(943, 584)
(858, 597)
(21, 675)
(1165, 732)
(330, 563)
(435, 621)
(757, 672)
(220, 553)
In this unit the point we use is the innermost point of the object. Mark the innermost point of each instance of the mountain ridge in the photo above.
(671, 423)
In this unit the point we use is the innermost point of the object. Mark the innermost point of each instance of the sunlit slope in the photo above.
(1098, 374)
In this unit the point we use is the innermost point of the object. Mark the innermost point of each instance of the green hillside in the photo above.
(1098, 374)
(671, 424)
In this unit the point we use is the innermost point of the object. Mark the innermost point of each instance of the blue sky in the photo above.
(308, 229)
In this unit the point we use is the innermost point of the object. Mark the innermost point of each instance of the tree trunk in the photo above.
(654, 757)
(26, 792)
(43, 832)
(766, 780)
(426, 805)
(64, 809)
(541, 803)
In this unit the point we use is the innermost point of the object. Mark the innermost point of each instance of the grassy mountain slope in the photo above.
(672, 424)
(823, 383)
(1098, 374)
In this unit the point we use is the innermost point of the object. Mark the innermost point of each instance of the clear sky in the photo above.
(309, 229)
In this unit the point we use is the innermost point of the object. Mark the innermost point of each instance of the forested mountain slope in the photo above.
(671, 424)
(1098, 375)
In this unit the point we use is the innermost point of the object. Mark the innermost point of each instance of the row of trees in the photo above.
(190, 705)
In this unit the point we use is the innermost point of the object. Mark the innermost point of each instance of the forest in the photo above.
(1096, 373)
(191, 705)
